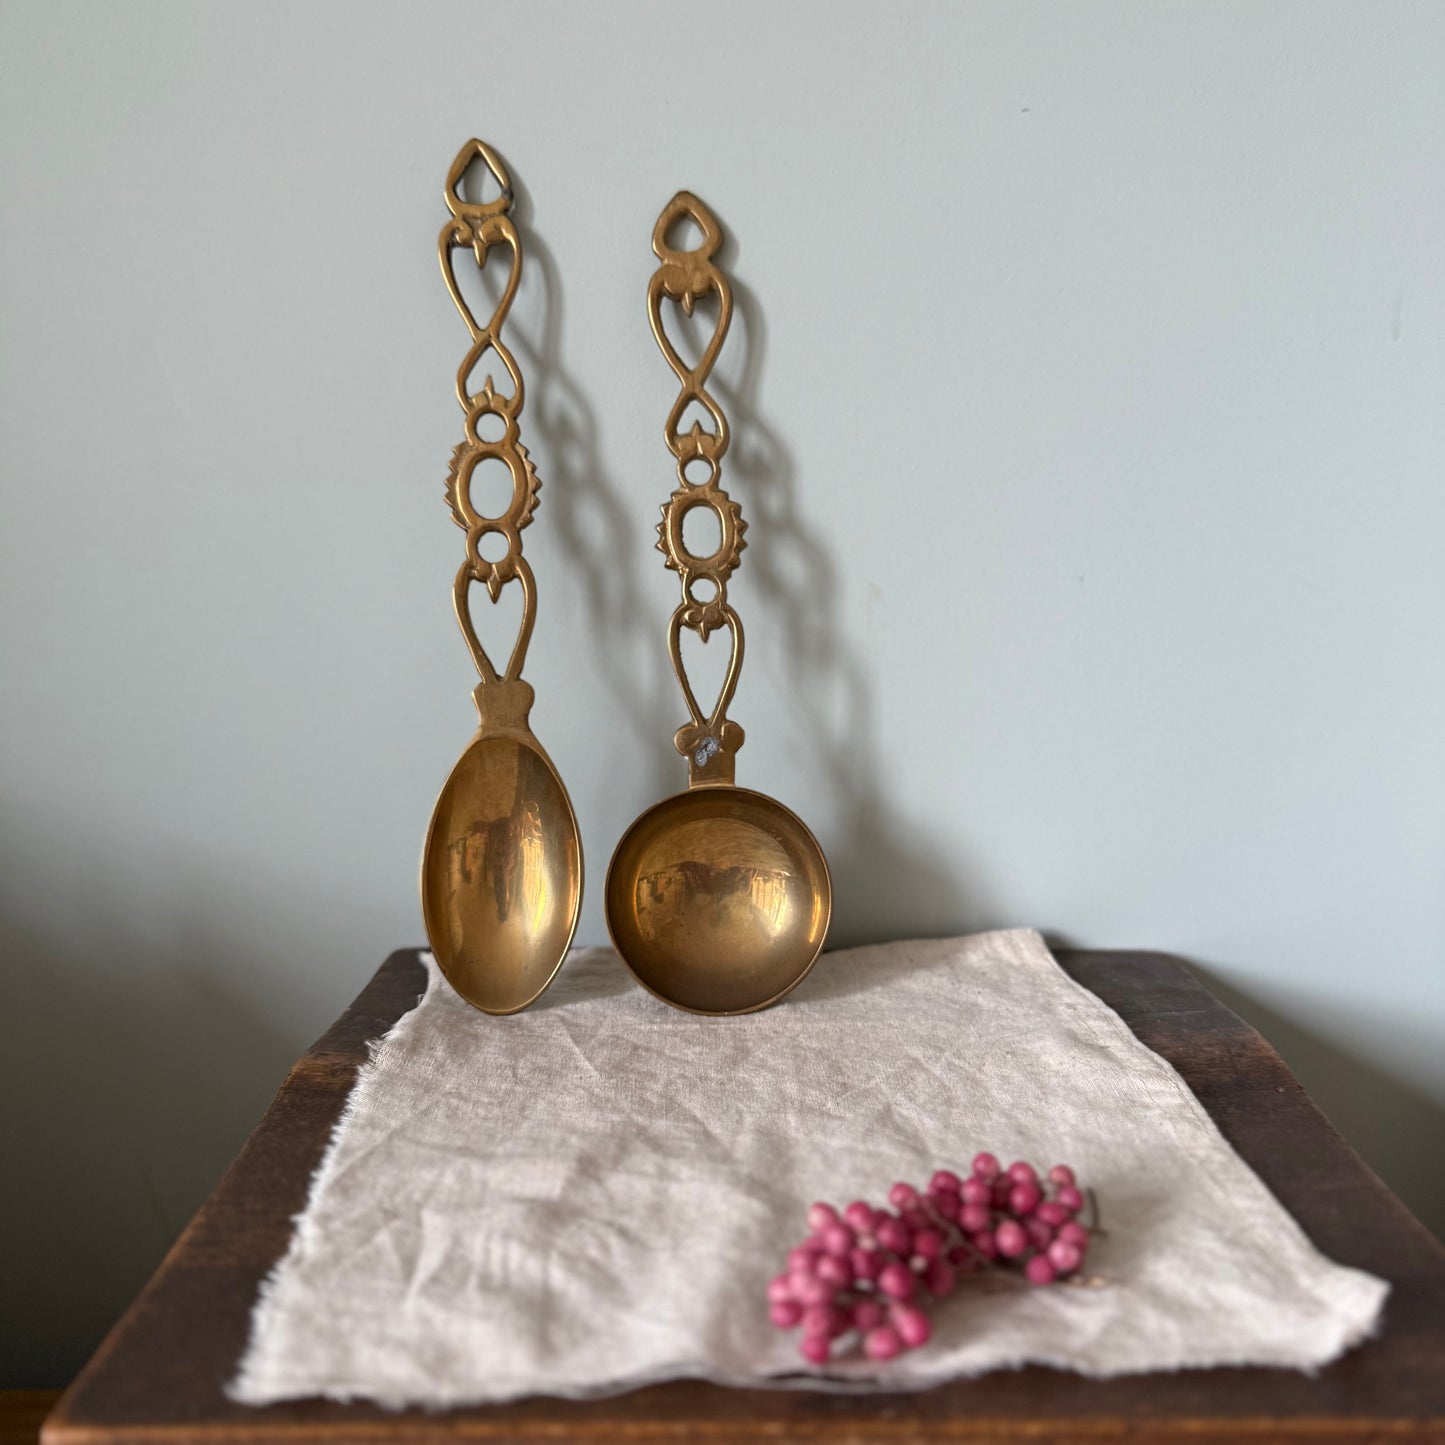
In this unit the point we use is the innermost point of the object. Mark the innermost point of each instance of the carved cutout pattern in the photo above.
(684, 277)
(480, 227)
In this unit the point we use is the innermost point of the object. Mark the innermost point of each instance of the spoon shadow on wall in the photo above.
(886, 883)
(596, 532)
(885, 880)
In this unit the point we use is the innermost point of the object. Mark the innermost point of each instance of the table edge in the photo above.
(330, 1065)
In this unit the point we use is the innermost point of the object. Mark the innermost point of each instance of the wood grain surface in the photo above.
(159, 1374)
(21, 1413)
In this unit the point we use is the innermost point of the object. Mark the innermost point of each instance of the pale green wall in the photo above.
(1087, 382)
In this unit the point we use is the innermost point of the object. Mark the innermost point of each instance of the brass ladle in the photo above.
(501, 876)
(717, 898)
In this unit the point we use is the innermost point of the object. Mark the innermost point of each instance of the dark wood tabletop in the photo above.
(159, 1375)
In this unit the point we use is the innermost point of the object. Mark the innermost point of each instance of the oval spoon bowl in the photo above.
(718, 900)
(501, 882)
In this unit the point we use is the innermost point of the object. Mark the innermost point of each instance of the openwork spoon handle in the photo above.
(478, 228)
(708, 741)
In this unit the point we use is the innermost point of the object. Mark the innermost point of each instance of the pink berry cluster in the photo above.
(865, 1272)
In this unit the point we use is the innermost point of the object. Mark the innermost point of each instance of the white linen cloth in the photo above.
(593, 1194)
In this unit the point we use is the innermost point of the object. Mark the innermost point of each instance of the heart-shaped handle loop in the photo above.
(710, 740)
(481, 227)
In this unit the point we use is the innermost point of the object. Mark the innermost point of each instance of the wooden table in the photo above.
(158, 1376)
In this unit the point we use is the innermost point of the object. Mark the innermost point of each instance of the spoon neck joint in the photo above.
(717, 771)
(504, 706)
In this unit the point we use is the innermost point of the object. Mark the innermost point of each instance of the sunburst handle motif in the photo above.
(479, 227)
(709, 741)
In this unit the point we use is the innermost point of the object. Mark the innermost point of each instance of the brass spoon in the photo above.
(718, 899)
(501, 876)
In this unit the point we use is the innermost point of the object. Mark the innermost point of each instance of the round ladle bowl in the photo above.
(718, 900)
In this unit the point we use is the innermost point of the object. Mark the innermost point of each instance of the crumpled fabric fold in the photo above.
(592, 1194)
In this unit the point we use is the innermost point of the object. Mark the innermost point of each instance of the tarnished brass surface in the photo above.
(501, 878)
(503, 873)
(717, 899)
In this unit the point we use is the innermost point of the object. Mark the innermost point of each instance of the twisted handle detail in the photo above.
(480, 228)
(710, 741)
